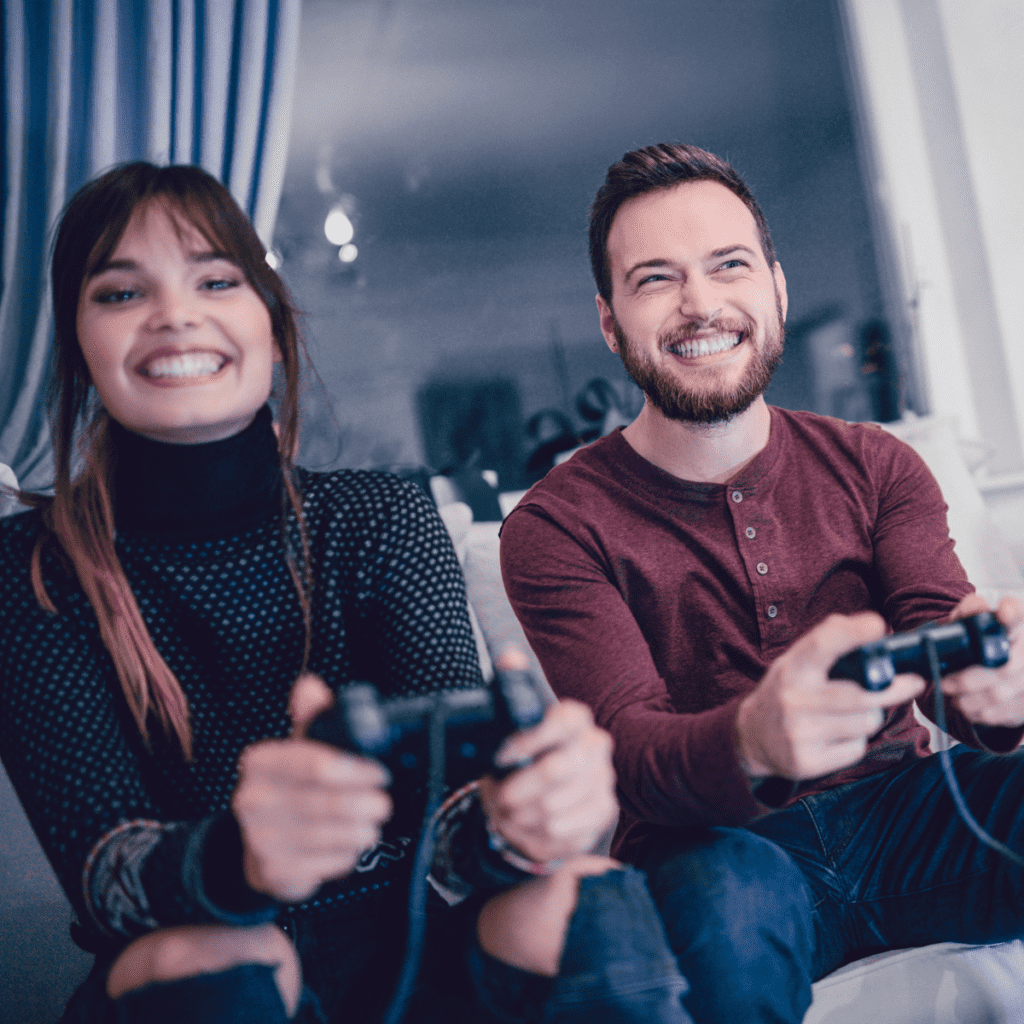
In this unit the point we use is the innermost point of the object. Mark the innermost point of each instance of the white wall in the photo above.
(942, 90)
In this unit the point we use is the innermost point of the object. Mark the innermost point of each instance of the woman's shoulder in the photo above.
(18, 535)
(362, 495)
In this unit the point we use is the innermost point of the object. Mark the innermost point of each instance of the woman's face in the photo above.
(178, 344)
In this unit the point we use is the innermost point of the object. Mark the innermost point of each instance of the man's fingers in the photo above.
(1011, 614)
(842, 697)
(309, 696)
(969, 605)
(837, 635)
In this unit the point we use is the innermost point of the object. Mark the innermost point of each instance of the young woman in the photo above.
(183, 605)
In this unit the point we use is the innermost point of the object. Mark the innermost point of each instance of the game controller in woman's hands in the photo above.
(396, 732)
(977, 640)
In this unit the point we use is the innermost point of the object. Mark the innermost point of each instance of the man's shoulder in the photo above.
(839, 442)
(586, 480)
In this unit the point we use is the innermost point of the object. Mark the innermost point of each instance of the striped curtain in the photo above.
(91, 83)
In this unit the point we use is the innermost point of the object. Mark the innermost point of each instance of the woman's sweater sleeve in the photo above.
(63, 742)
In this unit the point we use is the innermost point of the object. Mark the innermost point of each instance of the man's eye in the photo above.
(651, 278)
(732, 264)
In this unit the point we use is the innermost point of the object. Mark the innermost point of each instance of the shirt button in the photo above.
(750, 532)
(772, 611)
(762, 568)
(737, 495)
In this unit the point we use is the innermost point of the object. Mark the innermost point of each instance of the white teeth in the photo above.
(191, 364)
(705, 346)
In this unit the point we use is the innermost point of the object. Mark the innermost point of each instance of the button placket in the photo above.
(771, 611)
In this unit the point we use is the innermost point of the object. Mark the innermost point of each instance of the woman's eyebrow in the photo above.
(210, 256)
(114, 265)
(206, 256)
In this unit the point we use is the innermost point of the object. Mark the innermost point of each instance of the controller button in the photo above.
(737, 496)
(750, 532)
(772, 611)
(762, 568)
(878, 672)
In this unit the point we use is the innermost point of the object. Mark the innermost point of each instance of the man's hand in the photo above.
(992, 696)
(798, 723)
(564, 802)
(306, 811)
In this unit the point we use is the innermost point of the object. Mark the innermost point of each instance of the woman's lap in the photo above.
(350, 969)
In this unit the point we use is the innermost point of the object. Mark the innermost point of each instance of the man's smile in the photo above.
(706, 346)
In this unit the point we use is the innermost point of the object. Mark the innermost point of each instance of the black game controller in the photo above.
(977, 640)
(396, 732)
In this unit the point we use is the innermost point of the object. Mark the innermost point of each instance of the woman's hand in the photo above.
(306, 811)
(564, 802)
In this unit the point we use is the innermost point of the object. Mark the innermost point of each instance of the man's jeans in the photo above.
(756, 914)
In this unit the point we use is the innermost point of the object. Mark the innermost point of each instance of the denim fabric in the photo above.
(616, 967)
(242, 995)
(756, 914)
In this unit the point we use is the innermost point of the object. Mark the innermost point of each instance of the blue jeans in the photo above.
(756, 914)
(616, 968)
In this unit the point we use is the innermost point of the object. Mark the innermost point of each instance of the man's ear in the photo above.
(604, 311)
(780, 287)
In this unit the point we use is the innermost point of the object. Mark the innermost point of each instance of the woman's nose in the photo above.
(174, 309)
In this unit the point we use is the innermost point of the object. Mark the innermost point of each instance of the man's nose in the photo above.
(697, 299)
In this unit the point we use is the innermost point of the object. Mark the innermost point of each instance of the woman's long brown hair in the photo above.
(79, 517)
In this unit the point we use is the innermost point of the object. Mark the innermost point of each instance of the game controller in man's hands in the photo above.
(396, 732)
(977, 640)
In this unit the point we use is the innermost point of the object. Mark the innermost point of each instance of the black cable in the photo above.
(421, 868)
(947, 762)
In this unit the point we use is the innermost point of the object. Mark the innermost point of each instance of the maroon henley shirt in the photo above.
(661, 602)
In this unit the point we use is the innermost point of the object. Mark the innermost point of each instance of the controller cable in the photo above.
(420, 868)
(947, 762)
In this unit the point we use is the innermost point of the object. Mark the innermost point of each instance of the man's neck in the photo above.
(704, 453)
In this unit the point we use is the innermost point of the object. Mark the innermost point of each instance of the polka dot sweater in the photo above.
(138, 837)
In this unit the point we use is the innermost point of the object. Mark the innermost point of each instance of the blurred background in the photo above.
(450, 149)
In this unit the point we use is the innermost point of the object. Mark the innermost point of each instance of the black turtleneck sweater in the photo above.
(138, 837)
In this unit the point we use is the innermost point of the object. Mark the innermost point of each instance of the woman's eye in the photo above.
(220, 284)
(113, 296)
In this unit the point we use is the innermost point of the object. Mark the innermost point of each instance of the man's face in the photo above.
(697, 314)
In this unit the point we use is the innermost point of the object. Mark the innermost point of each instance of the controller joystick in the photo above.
(396, 732)
(977, 640)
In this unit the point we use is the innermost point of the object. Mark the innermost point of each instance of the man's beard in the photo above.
(706, 405)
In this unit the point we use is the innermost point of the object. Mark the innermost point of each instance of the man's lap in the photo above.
(887, 863)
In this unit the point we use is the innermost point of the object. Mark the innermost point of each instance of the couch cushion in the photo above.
(948, 983)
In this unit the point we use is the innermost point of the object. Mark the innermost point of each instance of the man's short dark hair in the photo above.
(660, 167)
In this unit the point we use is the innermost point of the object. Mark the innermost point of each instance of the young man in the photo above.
(694, 577)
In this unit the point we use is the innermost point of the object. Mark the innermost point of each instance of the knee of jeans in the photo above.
(732, 882)
(171, 954)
